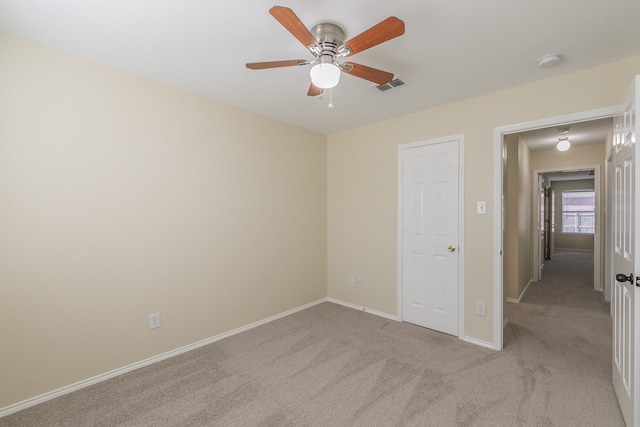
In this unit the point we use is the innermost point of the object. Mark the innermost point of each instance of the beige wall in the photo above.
(525, 271)
(122, 197)
(570, 241)
(363, 194)
(511, 248)
(517, 236)
(574, 158)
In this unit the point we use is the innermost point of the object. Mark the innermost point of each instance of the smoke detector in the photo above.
(548, 61)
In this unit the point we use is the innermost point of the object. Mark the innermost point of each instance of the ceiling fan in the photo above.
(326, 43)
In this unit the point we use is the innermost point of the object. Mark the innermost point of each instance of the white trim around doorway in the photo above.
(498, 220)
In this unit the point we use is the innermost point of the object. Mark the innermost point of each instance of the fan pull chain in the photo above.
(330, 98)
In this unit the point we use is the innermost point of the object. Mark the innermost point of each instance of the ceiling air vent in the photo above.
(390, 85)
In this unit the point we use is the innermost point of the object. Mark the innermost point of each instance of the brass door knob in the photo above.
(451, 248)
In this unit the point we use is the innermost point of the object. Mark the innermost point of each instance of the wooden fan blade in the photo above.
(291, 22)
(276, 64)
(388, 29)
(314, 90)
(373, 75)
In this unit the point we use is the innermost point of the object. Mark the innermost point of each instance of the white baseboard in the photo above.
(575, 250)
(365, 309)
(8, 410)
(478, 342)
(517, 300)
(392, 317)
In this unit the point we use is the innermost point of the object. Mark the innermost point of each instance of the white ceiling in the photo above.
(451, 50)
(579, 134)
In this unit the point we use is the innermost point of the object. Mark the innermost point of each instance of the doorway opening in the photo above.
(569, 216)
(509, 137)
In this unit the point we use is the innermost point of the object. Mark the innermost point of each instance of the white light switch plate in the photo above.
(482, 208)
(154, 320)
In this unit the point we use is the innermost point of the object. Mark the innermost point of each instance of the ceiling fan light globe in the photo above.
(325, 75)
(563, 145)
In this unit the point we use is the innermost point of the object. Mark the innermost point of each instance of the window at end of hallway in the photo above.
(578, 212)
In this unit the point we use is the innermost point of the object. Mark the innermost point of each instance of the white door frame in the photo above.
(460, 140)
(597, 240)
(608, 224)
(498, 137)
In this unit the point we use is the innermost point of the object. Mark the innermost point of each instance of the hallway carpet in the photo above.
(334, 366)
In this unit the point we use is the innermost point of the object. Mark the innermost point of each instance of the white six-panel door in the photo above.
(429, 227)
(625, 304)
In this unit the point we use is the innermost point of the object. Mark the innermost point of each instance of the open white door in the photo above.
(625, 299)
(539, 239)
(541, 225)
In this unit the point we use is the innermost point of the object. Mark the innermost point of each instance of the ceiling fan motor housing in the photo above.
(329, 37)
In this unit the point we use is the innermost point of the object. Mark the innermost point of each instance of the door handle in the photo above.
(624, 278)
(620, 277)
(451, 248)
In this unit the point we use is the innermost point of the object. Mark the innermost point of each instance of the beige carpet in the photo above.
(334, 366)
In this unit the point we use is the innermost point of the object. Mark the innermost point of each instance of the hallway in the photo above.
(561, 331)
